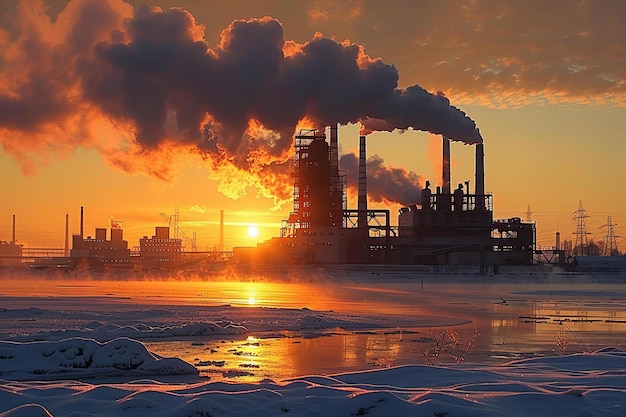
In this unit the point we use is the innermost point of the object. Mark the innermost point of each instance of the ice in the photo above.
(81, 356)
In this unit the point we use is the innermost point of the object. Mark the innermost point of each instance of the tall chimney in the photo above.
(67, 234)
(480, 177)
(221, 230)
(13, 233)
(362, 202)
(81, 222)
(445, 166)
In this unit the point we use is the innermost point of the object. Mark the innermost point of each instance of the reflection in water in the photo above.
(512, 320)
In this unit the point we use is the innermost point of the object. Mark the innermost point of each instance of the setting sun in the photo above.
(253, 231)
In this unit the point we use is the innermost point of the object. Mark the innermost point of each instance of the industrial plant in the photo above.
(446, 227)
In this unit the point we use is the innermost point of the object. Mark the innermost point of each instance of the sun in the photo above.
(253, 231)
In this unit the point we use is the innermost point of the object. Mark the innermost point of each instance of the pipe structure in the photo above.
(81, 222)
(479, 187)
(13, 232)
(362, 201)
(445, 166)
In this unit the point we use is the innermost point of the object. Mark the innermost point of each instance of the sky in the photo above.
(135, 109)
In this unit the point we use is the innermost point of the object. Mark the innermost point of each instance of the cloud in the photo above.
(150, 78)
(198, 209)
(323, 11)
(506, 53)
(385, 183)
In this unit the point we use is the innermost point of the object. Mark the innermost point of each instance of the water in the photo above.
(504, 319)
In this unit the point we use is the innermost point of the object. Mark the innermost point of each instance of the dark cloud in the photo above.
(384, 183)
(152, 72)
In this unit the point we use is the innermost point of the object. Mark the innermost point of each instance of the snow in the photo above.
(84, 356)
(573, 385)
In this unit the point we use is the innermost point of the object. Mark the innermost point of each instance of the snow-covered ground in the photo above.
(102, 348)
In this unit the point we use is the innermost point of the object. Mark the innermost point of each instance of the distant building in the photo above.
(598, 264)
(99, 252)
(160, 251)
(10, 254)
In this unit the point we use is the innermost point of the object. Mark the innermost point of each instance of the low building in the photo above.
(160, 251)
(99, 252)
(10, 254)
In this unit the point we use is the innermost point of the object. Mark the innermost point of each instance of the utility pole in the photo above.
(610, 240)
(528, 215)
(581, 244)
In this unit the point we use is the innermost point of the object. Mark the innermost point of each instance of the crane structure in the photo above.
(173, 223)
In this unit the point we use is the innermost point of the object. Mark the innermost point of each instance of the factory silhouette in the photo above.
(445, 227)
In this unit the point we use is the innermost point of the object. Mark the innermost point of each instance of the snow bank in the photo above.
(572, 385)
(80, 358)
(140, 331)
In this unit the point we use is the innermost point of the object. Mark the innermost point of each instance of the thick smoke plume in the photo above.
(385, 183)
(138, 84)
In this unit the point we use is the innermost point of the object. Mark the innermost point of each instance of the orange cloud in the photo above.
(323, 11)
(142, 87)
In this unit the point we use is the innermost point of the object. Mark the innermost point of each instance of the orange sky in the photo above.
(544, 82)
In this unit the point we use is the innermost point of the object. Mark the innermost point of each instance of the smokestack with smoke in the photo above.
(480, 177)
(151, 72)
(445, 165)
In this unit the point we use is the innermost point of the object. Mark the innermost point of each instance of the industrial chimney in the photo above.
(445, 166)
(67, 234)
(362, 202)
(13, 233)
(480, 177)
(81, 222)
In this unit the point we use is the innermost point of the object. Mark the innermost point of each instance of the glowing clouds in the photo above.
(151, 77)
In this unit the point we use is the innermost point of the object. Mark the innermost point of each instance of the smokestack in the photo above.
(558, 241)
(221, 230)
(67, 234)
(81, 222)
(13, 233)
(445, 166)
(480, 177)
(362, 202)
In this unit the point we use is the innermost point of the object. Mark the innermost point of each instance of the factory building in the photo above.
(160, 251)
(99, 252)
(10, 252)
(446, 227)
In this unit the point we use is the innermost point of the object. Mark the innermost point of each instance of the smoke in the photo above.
(152, 79)
(384, 183)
